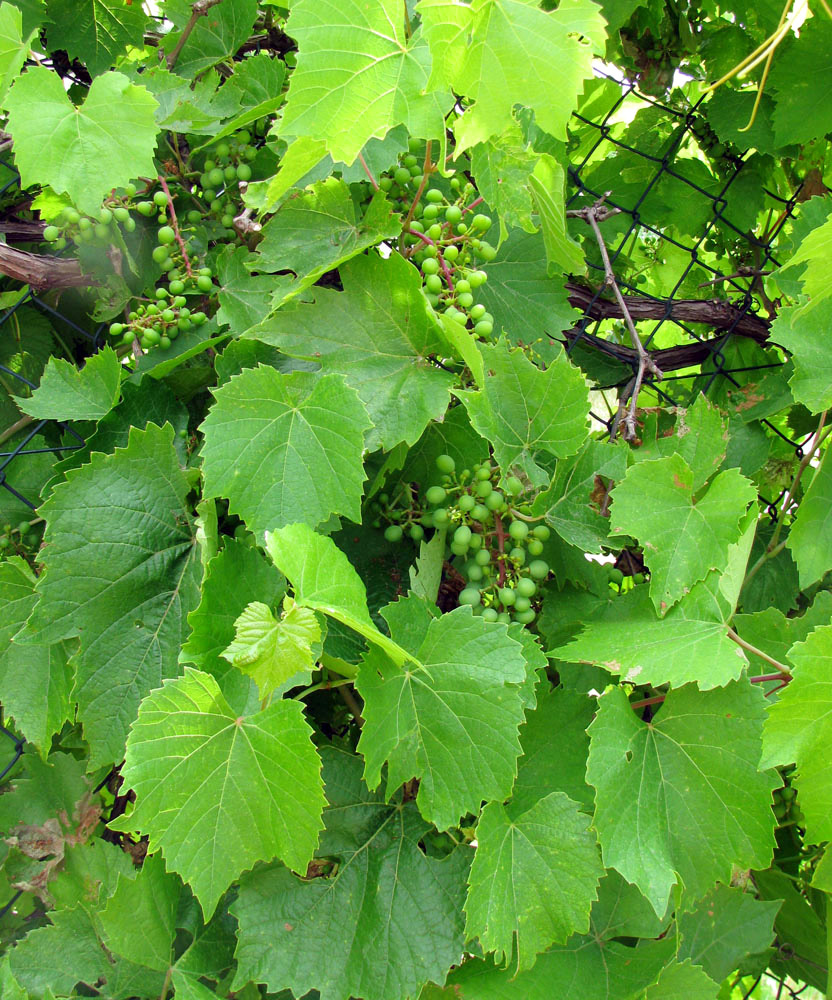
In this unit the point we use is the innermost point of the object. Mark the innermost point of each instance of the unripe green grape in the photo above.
(454, 314)
(206, 271)
(433, 283)
(539, 569)
(166, 234)
(435, 231)
(176, 287)
(179, 300)
(474, 573)
(164, 342)
(518, 530)
(227, 220)
(477, 311)
(417, 532)
(127, 337)
(461, 229)
(184, 312)
(244, 172)
(494, 500)
(168, 264)
(160, 254)
(435, 495)
(462, 535)
(433, 299)
(84, 224)
(145, 344)
(222, 150)
(470, 596)
(409, 160)
(542, 532)
(507, 596)
(476, 542)
(116, 329)
(216, 177)
(524, 617)
(130, 224)
(194, 216)
(483, 472)
(130, 190)
(483, 557)
(401, 175)
(415, 175)
(414, 145)
(169, 316)
(102, 231)
(430, 251)
(490, 615)
(481, 222)
(152, 309)
(160, 199)
(459, 549)
(230, 173)
(451, 253)
(430, 266)
(484, 488)
(465, 300)
(209, 195)
(518, 555)
(430, 212)
(525, 587)
(453, 214)
(466, 502)
(385, 183)
(480, 513)
(433, 195)
(445, 464)
(615, 575)
(51, 233)
(172, 332)
(462, 286)
(204, 283)
(105, 216)
(535, 547)
(638, 578)
(522, 603)
(393, 533)
(483, 328)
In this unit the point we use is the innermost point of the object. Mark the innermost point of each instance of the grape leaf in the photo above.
(139, 919)
(358, 73)
(571, 504)
(449, 719)
(723, 927)
(95, 31)
(528, 414)
(122, 572)
(426, 571)
(245, 299)
(533, 879)
(216, 36)
(379, 334)
(324, 579)
(547, 182)
(800, 77)
(802, 333)
(501, 166)
(399, 912)
(231, 790)
(83, 152)
(35, 680)
(515, 54)
(683, 538)
(772, 631)
(273, 651)
(699, 437)
(810, 539)
(285, 448)
(799, 727)
(14, 48)
(657, 784)
(65, 392)
(682, 981)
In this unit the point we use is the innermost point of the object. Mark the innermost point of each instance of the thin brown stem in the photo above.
(198, 10)
(323, 686)
(781, 668)
(655, 700)
(367, 171)
(18, 425)
(349, 700)
(166, 984)
(175, 226)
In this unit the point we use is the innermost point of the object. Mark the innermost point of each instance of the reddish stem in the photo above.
(473, 204)
(175, 226)
(363, 163)
(656, 700)
(763, 678)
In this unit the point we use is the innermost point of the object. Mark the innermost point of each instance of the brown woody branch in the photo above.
(42, 272)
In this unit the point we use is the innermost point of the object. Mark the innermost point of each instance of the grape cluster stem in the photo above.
(175, 226)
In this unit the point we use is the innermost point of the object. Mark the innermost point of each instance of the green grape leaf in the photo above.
(450, 718)
(723, 927)
(35, 680)
(800, 77)
(684, 538)
(65, 392)
(534, 877)
(529, 414)
(571, 504)
(245, 299)
(235, 577)
(683, 981)
(810, 538)
(689, 644)
(656, 784)
(426, 572)
(232, 790)
(699, 436)
(803, 334)
(86, 151)
(501, 167)
(516, 54)
(357, 74)
(318, 229)
(798, 730)
(272, 650)
(139, 920)
(772, 631)
(324, 580)
(547, 183)
(122, 572)
(216, 36)
(95, 31)
(379, 333)
(383, 890)
(729, 112)
(285, 448)
(14, 48)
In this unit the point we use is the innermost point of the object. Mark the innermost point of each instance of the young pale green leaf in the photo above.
(316, 230)
(357, 75)
(723, 927)
(95, 31)
(272, 650)
(684, 539)
(139, 920)
(14, 47)
(546, 182)
(534, 878)
(527, 413)
(803, 334)
(799, 727)
(219, 792)
(285, 448)
(815, 251)
(397, 910)
(67, 392)
(122, 573)
(656, 784)
(426, 572)
(515, 54)
(810, 537)
(83, 152)
(324, 580)
(451, 717)
(501, 167)
(379, 333)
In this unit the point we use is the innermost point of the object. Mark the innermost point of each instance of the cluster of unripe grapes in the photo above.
(80, 228)
(497, 552)
(226, 165)
(22, 539)
(786, 807)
